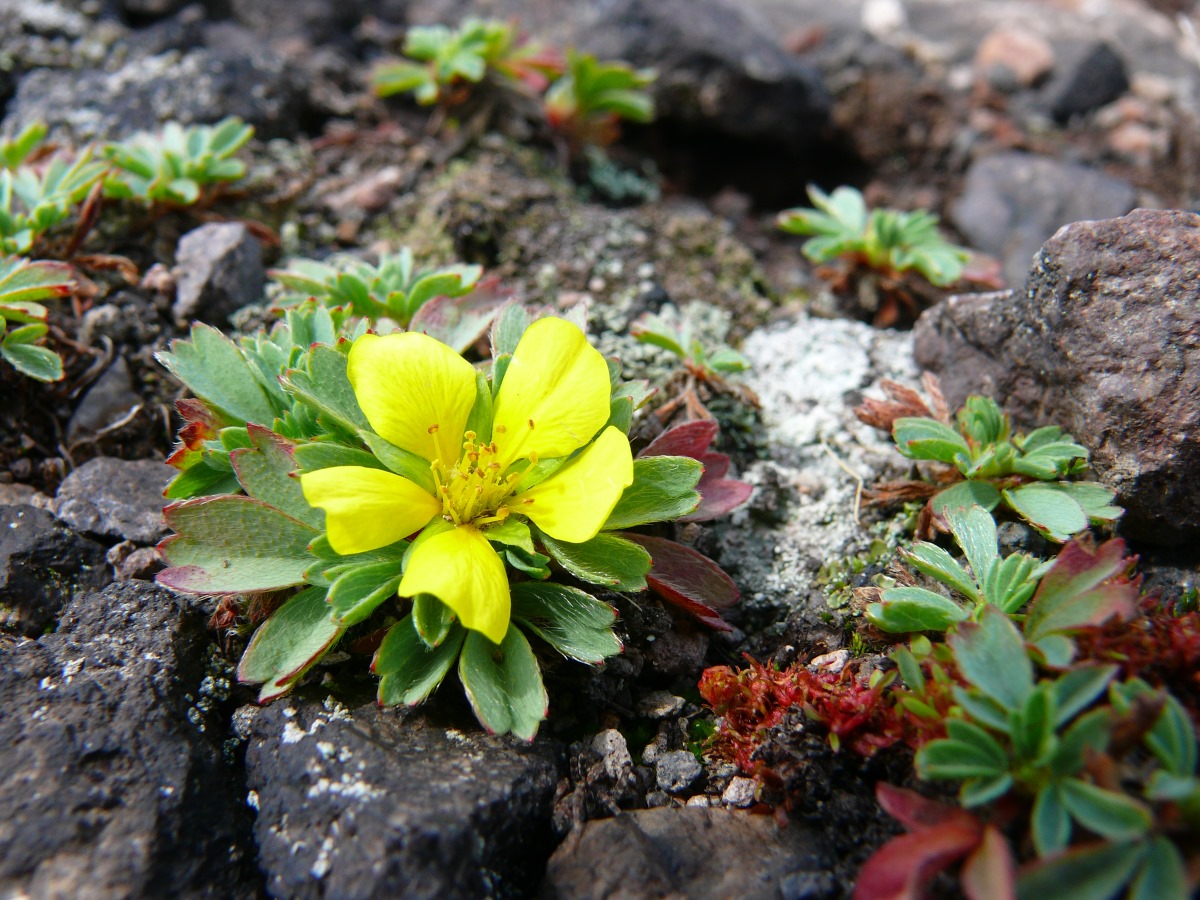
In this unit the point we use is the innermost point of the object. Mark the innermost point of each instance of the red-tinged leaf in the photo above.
(192, 409)
(901, 868)
(688, 572)
(689, 439)
(1083, 588)
(990, 873)
(716, 465)
(718, 497)
(917, 813)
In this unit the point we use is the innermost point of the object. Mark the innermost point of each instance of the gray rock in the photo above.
(702, 854)
(42, 564)
(740, 792)
(108, 401)
(677, 770)
(219, 270)
(190, 88)
(1105, 342)
(117, 498)
(659, 705)
(612, 748)
(111, 788)
(1013, 202)
(370, 803)
(1087, 76)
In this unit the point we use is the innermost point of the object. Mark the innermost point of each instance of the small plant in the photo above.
(987, 465)
(886, 241)
(447, 60)
(591, 98)
(395, 290)
(178, 166)
(32, 202)
(22, 285)
(387, 469)
(16, 150)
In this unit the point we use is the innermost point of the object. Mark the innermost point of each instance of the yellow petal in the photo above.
(366, 509)
(461, 569)
(573, 503)
(555, 394)
(415, 391)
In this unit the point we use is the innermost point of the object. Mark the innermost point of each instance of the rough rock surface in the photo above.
(116, 498)
(368, 803)
(42, 564)
(1104, 341)
(111, 787)
(696, 853)
(1012, 202)
(809, 375)
(190, 88)
(219, 271)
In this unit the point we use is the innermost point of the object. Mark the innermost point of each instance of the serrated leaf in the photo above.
(1048, 508)
(1078, 590)
(688, 579)
(324, 385)
(286, 645)
(233, 545)
(410, 670)
(503, 683)
(937, 563)
(975, 531)
(264, 471)
(574, 623)
(606, 559)
(921, 438)
(214, 369)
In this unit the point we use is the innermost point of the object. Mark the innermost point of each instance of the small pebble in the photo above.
(659, 705)
(830, 662)
(676, 771)
(740, 792)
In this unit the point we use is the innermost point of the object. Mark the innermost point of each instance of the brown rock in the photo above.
(1028, 57)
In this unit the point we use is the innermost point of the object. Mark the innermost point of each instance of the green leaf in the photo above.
(402, 462)
(506, 333)
(906, 609)
(410, 670)
(1088, 734)
(1091, 872)
(324, 385)
(511, 532)
(355, 594)
(288, 644)
(1011, 583)
(975, 531)
(1082, 587)
(1173, 739)
(233, 545)
(978, 791)
(1117, 817)
(1075, 691)
(265, 470)
(991, 656)
(1033, 725)
(1048, 508)
(606, 559)
(202, 479)
(40, 363)
(1057, 650)
(965, 494)
(215, 370)
(535, 565)
(937, 563)
(957, 760)
(1095, 499)
(317, 455)
(663, 488)
(1163, 873)
(910, 669)
(432, 618)
(922, 438)
(983, 709)
(503, 683)
(574, 623)
(1051, 822)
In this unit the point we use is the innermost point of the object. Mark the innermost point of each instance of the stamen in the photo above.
(432, 428)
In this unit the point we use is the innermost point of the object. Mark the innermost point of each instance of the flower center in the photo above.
(474, 489)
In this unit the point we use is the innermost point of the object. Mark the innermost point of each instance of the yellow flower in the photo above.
(418, 394)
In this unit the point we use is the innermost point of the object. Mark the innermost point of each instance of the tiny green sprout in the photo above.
(395, 290)
(674, 334)
(22, 285)
(33, 201)
(886, 241)
(16, 150)
(448, 60)
(591, 98)
(178, 165)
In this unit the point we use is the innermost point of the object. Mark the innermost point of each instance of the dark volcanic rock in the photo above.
(1013, 202)
(372, 804)
(42, 564)
(1087, 77)
(190, 88)
(1104, 341)
(110, 790)
(219, 271)
(116, 498)
(693, 852)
